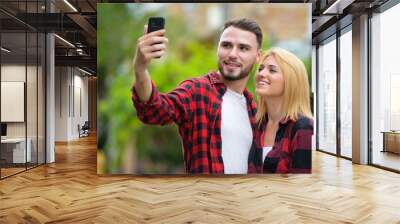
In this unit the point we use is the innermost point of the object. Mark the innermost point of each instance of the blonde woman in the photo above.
(284, 118)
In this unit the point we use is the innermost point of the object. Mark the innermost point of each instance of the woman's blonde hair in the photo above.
(296, 95)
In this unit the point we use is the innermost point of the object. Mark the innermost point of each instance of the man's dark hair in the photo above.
(248, 25)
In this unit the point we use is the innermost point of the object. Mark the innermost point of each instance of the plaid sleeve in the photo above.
(301, 146)
(164, 109)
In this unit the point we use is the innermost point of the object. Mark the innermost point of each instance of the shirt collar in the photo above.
(283, 121)
(215, 78)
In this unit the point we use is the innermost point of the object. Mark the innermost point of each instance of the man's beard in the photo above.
(231, 75)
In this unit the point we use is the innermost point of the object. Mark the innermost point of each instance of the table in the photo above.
(16, 147)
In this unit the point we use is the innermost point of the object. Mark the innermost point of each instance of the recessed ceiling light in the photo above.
(337, 7)
(5, 49)
(64, 40)
(71, 6)
(84, 71)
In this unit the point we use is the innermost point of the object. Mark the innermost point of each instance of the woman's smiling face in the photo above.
(269, 79)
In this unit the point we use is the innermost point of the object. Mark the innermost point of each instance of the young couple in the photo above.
(222, 130)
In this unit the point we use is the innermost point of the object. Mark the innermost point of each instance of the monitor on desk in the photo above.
(3, 130)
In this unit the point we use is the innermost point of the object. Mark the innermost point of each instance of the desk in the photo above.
(391, 141)
(16, 147)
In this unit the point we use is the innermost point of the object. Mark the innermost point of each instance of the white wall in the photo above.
(13, 73)
(12, 101)
(71, 94)
(61, 103)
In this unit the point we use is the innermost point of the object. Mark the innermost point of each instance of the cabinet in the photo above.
(391, 141)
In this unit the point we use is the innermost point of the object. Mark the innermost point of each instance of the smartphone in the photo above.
(155, 23)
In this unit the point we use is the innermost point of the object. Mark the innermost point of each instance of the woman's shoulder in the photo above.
(304, 123)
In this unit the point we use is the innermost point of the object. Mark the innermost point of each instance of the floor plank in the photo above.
(70, 191)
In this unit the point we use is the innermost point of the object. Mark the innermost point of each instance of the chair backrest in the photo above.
(86, 125)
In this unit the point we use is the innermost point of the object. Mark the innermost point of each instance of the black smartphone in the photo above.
(155, 23)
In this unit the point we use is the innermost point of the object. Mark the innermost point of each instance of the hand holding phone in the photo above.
(154, 24)
(151, 45)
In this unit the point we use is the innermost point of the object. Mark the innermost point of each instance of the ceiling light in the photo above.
(338, 6)
(65, 41)
(84, 71)
(5, 49)
(79, 51)
(70, 5)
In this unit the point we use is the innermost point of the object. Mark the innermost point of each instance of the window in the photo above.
(346, 94)
(327, 96)
(385, 89)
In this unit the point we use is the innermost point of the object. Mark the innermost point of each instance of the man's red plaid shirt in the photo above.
(195, 106)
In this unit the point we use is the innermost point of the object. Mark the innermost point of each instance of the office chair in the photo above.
(84, 130)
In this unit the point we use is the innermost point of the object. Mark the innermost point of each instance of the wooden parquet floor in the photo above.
(9, 171)
(70, 191)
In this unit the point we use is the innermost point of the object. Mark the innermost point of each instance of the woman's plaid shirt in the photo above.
(291, 152)
(195, 106)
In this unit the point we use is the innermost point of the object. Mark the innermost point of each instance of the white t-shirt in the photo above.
(266, 149)
(236, 133)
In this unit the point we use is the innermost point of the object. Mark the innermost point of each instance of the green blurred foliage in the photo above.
(157, 149)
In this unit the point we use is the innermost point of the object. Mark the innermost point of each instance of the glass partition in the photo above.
(14, 152)
(22, 100)
(327, 96)
(31, 99)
